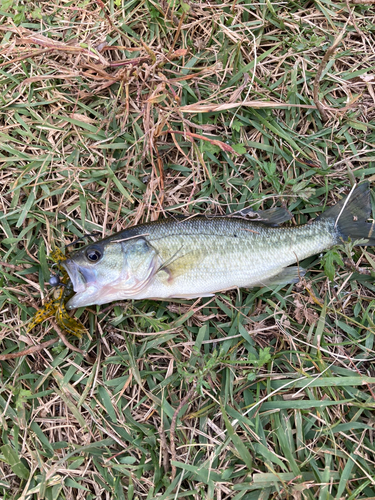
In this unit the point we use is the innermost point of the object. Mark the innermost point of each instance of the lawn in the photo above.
(117, 112)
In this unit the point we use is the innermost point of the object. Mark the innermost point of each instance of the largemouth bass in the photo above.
(198, 256)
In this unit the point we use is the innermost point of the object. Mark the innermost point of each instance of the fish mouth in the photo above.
(84, 283)
(76, 276)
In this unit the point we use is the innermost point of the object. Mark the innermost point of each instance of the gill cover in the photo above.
(122, 270)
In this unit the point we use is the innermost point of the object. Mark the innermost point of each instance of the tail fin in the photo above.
(351, 214)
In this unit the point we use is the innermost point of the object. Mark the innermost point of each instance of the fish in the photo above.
(186, 258)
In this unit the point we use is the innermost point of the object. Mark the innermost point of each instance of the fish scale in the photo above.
(233, 254)
(198, 256)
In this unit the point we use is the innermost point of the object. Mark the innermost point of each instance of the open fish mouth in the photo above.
(85, 285)
(76, 276)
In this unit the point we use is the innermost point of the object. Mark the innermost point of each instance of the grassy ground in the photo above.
(252, 394)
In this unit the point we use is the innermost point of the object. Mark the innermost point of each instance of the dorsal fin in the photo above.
(271, 217)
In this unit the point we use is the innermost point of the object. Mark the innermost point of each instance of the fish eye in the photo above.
(94, 254)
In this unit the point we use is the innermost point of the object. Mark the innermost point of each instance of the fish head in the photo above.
(109, 270)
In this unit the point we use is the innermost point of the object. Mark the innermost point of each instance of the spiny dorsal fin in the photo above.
(270, 217)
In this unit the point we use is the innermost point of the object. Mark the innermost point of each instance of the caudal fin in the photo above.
(351, 214)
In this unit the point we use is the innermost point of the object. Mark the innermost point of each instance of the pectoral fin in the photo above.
(178, 264)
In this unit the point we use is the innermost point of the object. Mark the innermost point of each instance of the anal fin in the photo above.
(285, 277)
